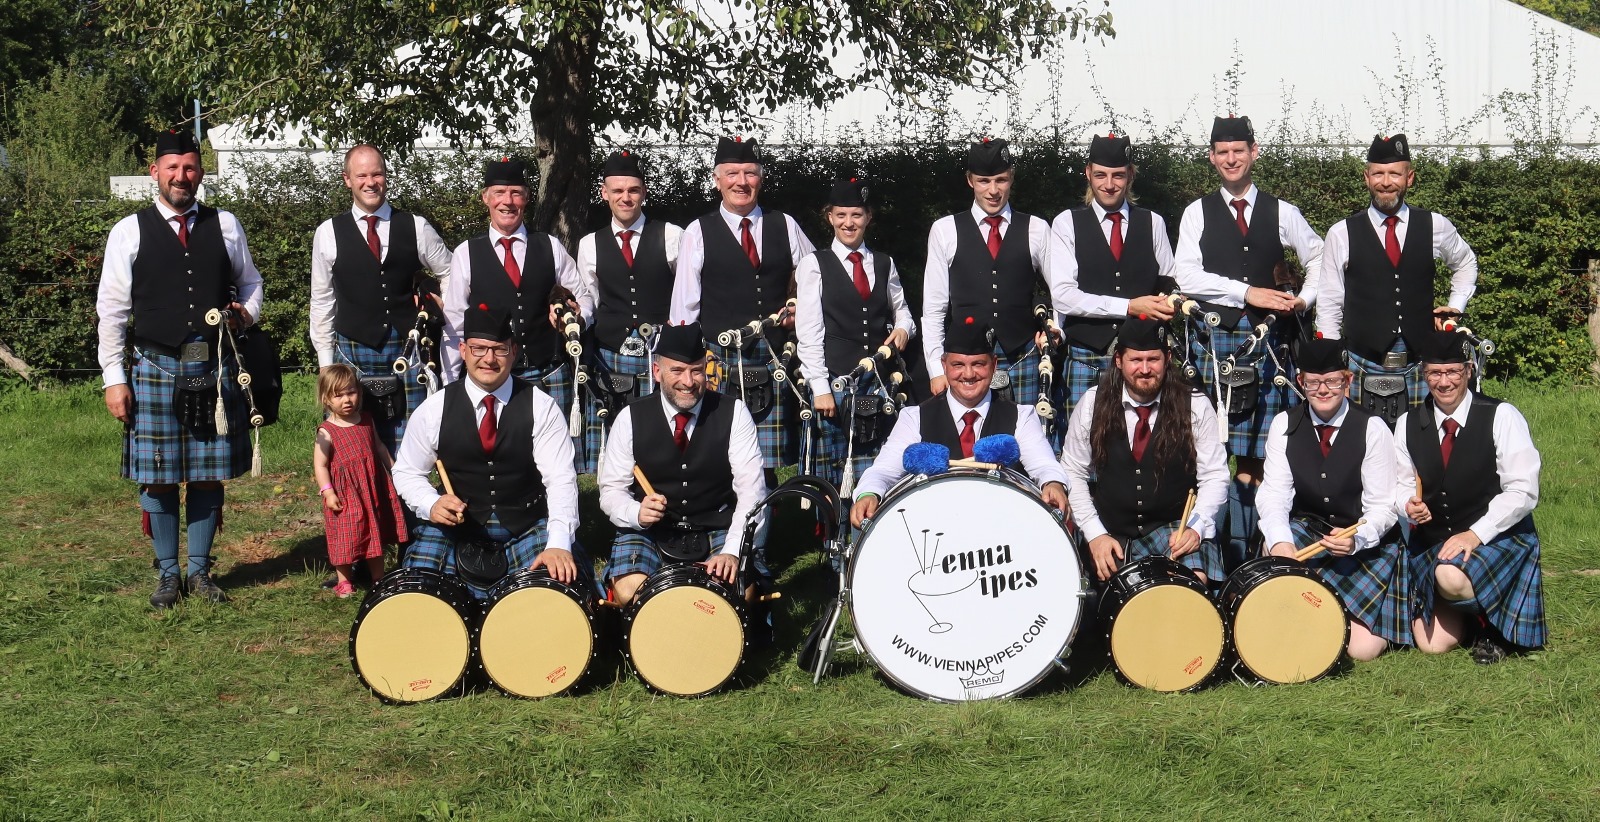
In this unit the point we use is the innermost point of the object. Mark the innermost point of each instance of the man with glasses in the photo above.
(1330, 465)
(1473, 554)
(504, 445)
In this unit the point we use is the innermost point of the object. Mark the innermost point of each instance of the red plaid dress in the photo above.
(371, 517)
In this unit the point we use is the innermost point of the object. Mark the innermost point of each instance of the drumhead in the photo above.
(536, 640)
(965, 586)
(410, 646)
(1166, 637)
(685, 640)
(1289, 628)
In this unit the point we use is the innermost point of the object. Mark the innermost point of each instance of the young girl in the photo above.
(360, 510)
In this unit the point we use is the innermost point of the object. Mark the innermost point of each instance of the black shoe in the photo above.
(1489, 648)
(167, 593)
(331, 582)
(201, 584)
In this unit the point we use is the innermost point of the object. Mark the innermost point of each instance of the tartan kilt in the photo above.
(433, 547)
(594, 428)
(770, 424)
(832, 444)
(1506, 579)
(1207, 560)
(1082, 371)
(634, 552)
(1024, 372)
(1416, 387)
(379, 362)
(555, 379)
(157, 449)
(1247, 433)
(1373, 584)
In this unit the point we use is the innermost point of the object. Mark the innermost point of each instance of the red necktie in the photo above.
(627, 246)
(859, 274)
(182, 221)
(1141, 432)
(968, 435)
(488, 429)
(372, 236)
(1391, 242)
(1116, 234)
(680, 431)
(513, 270)
(1448, 444)
(1325, 434)
(1238, 209)
(749, 243)
(994, 235)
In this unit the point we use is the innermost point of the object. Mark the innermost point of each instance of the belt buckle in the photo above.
(1396, 359)
(197, 351)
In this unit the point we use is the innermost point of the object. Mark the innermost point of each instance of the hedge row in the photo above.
(1534, 222)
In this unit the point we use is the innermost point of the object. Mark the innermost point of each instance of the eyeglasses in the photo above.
(486, 350)
(1318, 385)
(1444, 374)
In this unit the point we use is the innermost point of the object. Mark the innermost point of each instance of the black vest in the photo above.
(938, 426)
(732, 292)
(1383, 303)
(852, 328)
(1248, 258)
(698, 482)
(530, 304)
(506, 483)
(630, 296)
(1459, 495)
(1135, 498)
(1328, 488)
(997, 291)
(173, 287)
(1137, 274)
(372, 298)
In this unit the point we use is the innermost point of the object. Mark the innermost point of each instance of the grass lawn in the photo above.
(109, 710)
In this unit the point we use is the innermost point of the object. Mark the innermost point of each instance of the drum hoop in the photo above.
(1223, 653)
(646, 593)
(1232, 598)
(542, 580)
(523, 579)
(1005, 478)
(470, 617)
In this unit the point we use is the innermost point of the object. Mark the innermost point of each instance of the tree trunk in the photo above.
(15, 363)
(1594, 313)
(563, 139)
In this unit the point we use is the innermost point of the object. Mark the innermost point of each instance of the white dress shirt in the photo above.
(1447, 246)
(431, 250)
(115, 301)
(460, 288)
(749, 484)
(692, 259)
(673, 236)
(1275, 498)
(1217, 287)
(942, 249)
(552, 453)
(1211, 462)
(1073, 301)
(808, 319)
(1038, 460)
(1516, 460)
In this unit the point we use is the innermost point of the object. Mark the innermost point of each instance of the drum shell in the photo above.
(442, 587)
(498, 671)
(1247, 580)
(1146, 575)
(669, 579)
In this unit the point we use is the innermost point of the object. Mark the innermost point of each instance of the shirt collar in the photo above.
(978, 215)
(1100, 213)
(637, 227)
(476, 393)
(957, 410)
(1338, 416)
(842, 251)
(1128, 400)
(495, 236)
(672, 410)
(1459, 415)
(384, 213)
(1377, 217)
(1249, 196)
(733, 219)
(167, 212)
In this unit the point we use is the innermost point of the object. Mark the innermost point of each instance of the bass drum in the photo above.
(1287, 625)
(1164, 633)
(686, 632)
(539, 636)
(965, 586)
(412, 639)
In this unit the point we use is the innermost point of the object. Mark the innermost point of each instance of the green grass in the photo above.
(250, 711)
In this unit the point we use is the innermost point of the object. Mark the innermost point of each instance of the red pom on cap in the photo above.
(738, 139)
(852, 179)
(483, 306)
(1111, 135)
(969, 321)
(625, 153)
(1319, 335)
(986, 139)
(505, 159)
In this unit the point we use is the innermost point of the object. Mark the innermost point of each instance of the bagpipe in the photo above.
(1044, 404)
(1481, 348)
(571, 331)
(420, 349)
(755, 385)
(249, 347)
(612, 391)
(865, 413)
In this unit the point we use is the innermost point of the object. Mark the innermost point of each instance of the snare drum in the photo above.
(539, 636)
(412, 638)
(965, 586)
(1164, 633)
(685, 634)
(1287, 625)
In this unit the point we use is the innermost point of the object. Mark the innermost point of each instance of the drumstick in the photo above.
(445, 478)
(1321, 545)
(1188, 508)
(972, 463)
(638, 474)
(770, 597)
(1418, 497)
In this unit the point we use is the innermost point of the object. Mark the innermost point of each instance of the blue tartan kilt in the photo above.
(157, 449)
(1207, 560)
(379, 362)
(1373, 584)
(1024, 374)
(433, 547)
(1416, 387)
(556, 380)
(832, 444)
(770, 434)
(1506, 579)
(1082, 369)
(634, 552)
(1247, 433)
(595, 428)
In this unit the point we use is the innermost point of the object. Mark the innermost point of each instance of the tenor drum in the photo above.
(412, 639)
(685, 634)
(1287, 625)
(539, 636)
(965, 586)
(1164, 633)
